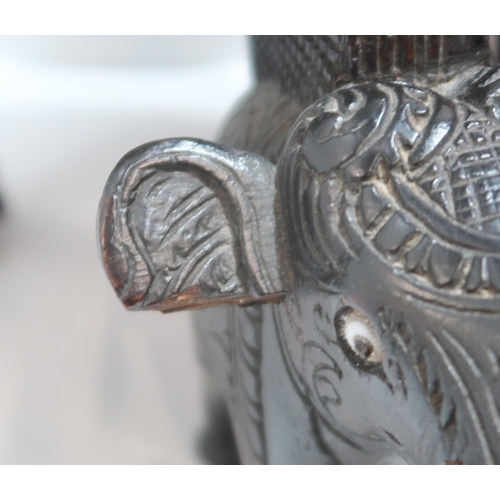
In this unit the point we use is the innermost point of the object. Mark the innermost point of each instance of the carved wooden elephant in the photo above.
(354, 249)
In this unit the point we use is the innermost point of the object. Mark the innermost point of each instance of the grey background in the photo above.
(81, 379)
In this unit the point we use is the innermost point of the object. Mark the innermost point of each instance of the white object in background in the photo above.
(81, 379)
(124, 50)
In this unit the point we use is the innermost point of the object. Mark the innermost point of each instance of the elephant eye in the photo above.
(358, 337)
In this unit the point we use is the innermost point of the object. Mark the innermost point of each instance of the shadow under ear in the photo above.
(216, 443)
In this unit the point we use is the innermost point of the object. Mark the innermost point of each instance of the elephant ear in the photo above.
(186, 224)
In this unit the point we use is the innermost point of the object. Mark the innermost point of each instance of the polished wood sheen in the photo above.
(343, 242)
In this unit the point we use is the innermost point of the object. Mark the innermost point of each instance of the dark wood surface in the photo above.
(366, 222)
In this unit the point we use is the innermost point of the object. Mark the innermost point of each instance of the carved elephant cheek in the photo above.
(442, 363)
(370, 405)
(431, 399)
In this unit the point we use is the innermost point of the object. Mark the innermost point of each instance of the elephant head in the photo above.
(393, 203)
(377, 239)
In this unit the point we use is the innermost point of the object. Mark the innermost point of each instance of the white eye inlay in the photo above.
(361, 338)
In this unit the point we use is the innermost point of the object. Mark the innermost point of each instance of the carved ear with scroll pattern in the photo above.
(185, 224)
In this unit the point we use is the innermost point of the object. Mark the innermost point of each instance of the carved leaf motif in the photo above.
(185, 236)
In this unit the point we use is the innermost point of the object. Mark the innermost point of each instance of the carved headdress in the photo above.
(406, 171)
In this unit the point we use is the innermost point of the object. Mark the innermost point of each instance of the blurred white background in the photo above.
(81, 379)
